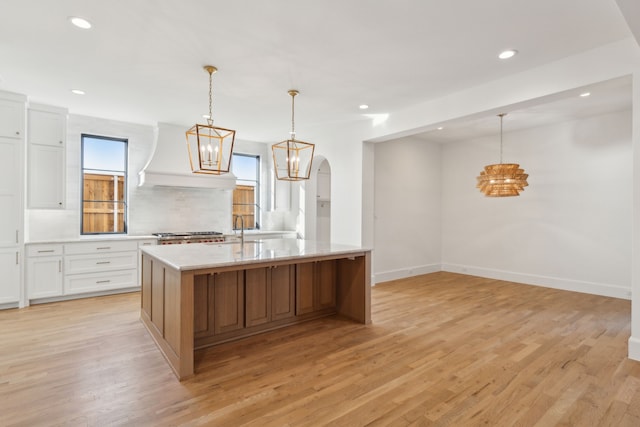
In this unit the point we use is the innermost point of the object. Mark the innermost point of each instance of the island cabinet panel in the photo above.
(203, 295)
(146, 286)
(157, 296)
(315, 286)
(269, 294)
(228, 305)
(305, 275)
(354, 288)
(325, 284)
(257, 296)
(283, 290)
(172, 309)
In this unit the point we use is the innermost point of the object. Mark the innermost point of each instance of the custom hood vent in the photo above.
(169, 164)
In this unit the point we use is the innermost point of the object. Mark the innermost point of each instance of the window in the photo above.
(104, 185)
(246, 196)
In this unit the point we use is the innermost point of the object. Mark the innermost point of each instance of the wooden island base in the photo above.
(186, 310)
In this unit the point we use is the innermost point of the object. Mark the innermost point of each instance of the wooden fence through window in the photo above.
(103, 209)
(244, 204)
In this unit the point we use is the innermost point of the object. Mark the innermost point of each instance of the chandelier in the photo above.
(292, 158)
(502, 179)
(210, 147)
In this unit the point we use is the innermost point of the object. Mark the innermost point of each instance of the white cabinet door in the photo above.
(46, 177)
(44, 277)
(46, 159)
(10, 194)
(47, 127)
(10, 280)
(11, 119)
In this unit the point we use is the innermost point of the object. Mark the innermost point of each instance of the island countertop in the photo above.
(211, 255)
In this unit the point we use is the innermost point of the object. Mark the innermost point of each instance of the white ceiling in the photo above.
(142, 60)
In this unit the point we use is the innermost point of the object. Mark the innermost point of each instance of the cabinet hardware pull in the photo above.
(103, 262)
(59, 266)
(17, 133)
(103, 281)
(104, 247)
(47, 251)
(17, 259)
(17, 236)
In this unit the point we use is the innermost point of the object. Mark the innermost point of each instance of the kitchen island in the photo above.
(204, 294)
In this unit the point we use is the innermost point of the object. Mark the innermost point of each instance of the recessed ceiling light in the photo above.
(80, 22)
(363, 106)
(507, 54)
(77, 91)
(440, 128)
(585, 94)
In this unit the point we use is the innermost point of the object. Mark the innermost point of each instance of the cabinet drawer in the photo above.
(75, 264)
(149, 242)
(100, 247)
(44, 250)
(95, 282)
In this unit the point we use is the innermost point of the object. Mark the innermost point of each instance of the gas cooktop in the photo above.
(189, 237)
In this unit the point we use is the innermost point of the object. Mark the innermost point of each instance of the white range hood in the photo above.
(169, 163)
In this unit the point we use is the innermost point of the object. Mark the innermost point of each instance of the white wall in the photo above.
(342, 146)
(407, 208)
(569, 229)
(151, 209)
(634, 340)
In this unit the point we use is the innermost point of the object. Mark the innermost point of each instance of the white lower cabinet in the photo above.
(44, 271)
(57, 270)
(10, 280)
(96, 282)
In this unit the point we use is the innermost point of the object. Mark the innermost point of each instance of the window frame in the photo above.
(258, 184)
(125, 174)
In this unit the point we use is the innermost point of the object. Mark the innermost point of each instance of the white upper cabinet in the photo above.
(12, 108)
(11, 118)
(46, 159)
(47, 127)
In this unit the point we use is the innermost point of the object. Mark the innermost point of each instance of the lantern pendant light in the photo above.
(292, 158)
(210, 147)
(502, 179)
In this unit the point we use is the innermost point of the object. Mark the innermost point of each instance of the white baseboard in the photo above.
(634, 348)
(403, 273)
(602, 289)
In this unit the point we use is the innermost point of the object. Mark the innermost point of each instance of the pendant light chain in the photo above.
(293, 123)
(501, 117)
(210, 119)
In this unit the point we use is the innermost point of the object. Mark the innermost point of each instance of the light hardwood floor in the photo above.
(444, 349)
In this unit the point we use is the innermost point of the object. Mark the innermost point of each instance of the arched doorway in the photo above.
(317, 201)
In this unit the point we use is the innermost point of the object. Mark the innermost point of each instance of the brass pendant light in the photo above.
(502, 179)
(210, 147)
(292, 158)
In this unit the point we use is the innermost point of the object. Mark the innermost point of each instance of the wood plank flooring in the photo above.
(443, 350)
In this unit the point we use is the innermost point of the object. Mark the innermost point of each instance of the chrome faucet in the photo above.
(235, 222)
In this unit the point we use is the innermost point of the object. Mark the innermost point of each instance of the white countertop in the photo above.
(210, 255)
(91, 238)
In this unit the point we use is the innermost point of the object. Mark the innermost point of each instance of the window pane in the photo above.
(104, 167)
(246, 195)
(245, 167)
(104, 154)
